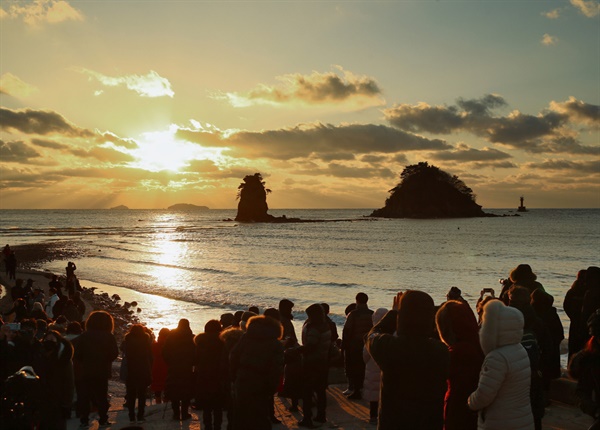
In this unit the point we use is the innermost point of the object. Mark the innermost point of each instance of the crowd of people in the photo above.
(420, 366)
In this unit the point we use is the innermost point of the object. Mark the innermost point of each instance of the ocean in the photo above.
(196, 265)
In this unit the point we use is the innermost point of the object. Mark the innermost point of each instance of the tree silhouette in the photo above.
(252, 196)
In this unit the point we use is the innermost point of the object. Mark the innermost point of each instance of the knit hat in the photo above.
(416, 314)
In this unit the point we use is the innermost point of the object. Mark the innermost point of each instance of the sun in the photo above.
(160, 150)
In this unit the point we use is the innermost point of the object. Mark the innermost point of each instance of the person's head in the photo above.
(315, 313)
(237, 318)
(416, 314)
(226, 320)
(592, 277)
(541, 299)
(518, 295)
(285, 307)
(51, 343)
(41, 325)
(52, 291)
(212, 326)
(37, 306)
(261, 326)
(362, 298)
(378, 315)
(74, 327)
(20, 303)
(272, 313)
(245, 318)
(522, 273)
(254, 309)
(349, 308)
(183, 324)
(137, 330)
(325, 307)
(163, 334)
(501, 325)
(100, 321)
(454, 294)
(456, 322)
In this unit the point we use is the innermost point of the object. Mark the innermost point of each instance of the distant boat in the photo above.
(522, 208)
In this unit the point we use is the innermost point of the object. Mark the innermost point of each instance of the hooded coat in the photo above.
(372, 371)
(502, 395)
(178, 353)
(458, 329)
(138, 350)
(256, 364)
(209, 372)
(414, 367)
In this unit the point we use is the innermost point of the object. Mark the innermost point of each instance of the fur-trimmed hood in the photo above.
(502, 325)
(231, 336)
(264, 327)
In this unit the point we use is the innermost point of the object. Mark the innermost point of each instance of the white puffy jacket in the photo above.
(502, 396)
(372, 381)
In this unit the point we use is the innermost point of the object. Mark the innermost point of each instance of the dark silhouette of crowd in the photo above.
(419, 366)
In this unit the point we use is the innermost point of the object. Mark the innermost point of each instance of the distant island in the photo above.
(187, 207)
(119, 208)
(426, 191)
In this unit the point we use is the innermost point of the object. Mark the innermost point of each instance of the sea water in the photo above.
(197, 265)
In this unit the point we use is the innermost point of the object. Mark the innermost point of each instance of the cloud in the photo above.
(465, 154)
(109, 137)
(14, 86)
(149, 85)
(587, 167)
(44, 143)
(494, 165)
(104, 154)
(533, 133)
(332, 88)
(343, 171)
(16, 151)
(549, 40)
(578, 111)
(318, 139)
(41, 122)
(589, 8)
(553, 14)
(43, 11)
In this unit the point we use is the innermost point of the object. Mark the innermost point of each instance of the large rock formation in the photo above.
(253, 200)
(427, 192)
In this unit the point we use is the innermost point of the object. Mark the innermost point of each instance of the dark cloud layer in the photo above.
(532, 133)
(319, 140)
(44, 143)
(466, 154)
(17, 152)
(30, 121)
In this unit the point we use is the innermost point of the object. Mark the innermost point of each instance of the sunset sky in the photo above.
(152, 103)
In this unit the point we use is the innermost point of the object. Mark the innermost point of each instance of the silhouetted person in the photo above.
(414, 366)
(55, 283)
(138, 350)
(5, 253)
(11, 265)
(585, 367)
(256, 364)
(286, 317)
(237, 318)
(254, 309)
(591, 299)
(316, 344)
(70, 269)
(159, 366)
(209, 387)
(95, 350)
(458, 329)
(19, 309)
(178, 353)
(523, 276)
(357, 325)
(332, 325)
(372, 384)
(572, 305)
(54, 367)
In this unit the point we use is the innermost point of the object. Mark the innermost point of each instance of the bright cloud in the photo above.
(43, 11)
(589, 8)
(332, 88)
(549, 40)
(149, 85)
(553, 14)
(14, 86)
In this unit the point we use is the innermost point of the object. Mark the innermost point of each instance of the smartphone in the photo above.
(14, 326)
(488, 290)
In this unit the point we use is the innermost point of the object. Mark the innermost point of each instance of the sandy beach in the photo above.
(342, 413)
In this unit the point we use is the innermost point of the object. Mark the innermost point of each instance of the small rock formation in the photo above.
(253, 200)
(187, 207)
(427, 192)
(119, 208)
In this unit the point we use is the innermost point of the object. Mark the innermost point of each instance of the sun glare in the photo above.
(161, 151)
